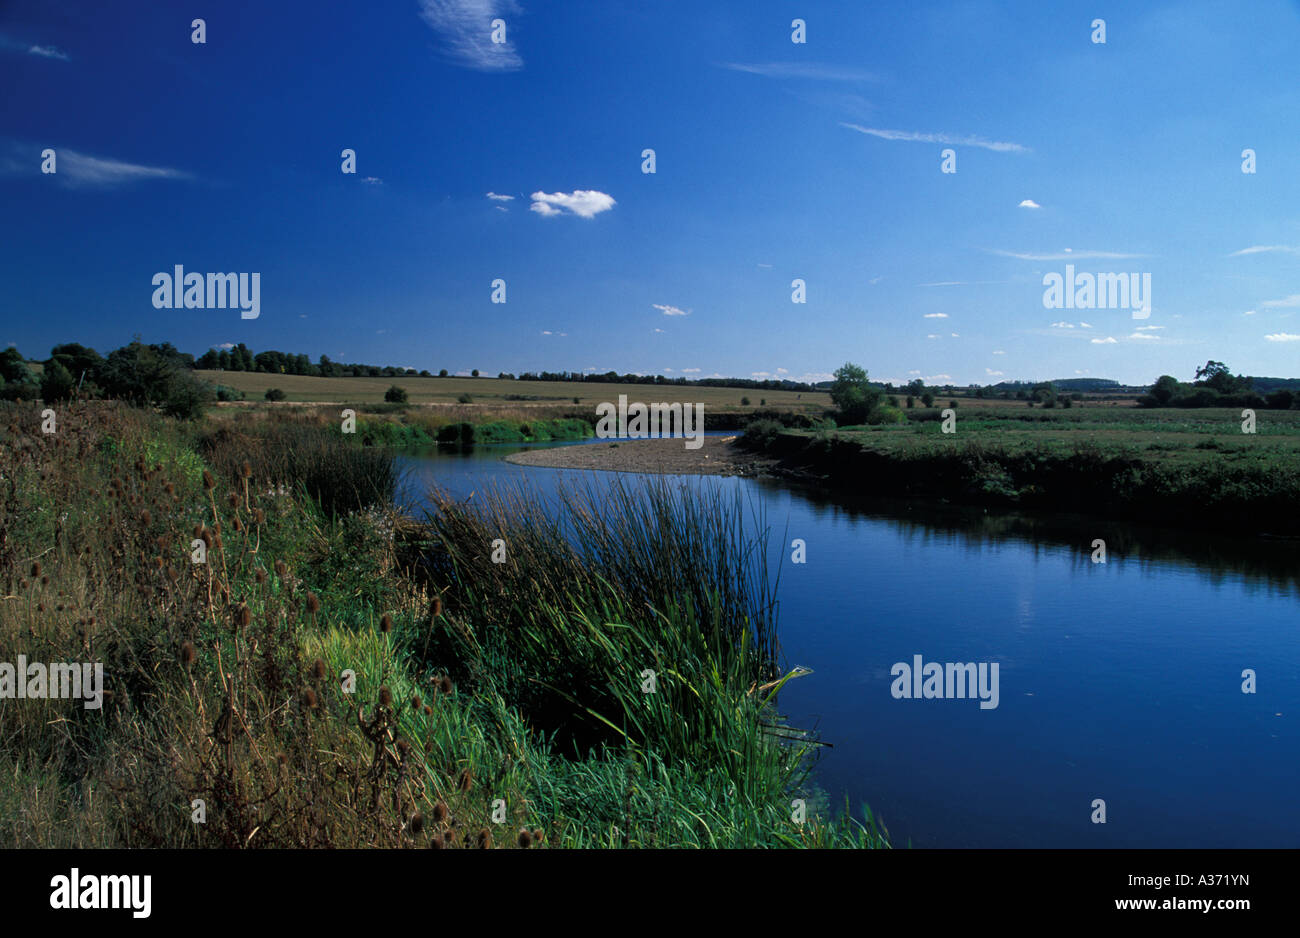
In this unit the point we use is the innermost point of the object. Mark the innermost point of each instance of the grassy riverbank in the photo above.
(1190, 468)
(520, 688)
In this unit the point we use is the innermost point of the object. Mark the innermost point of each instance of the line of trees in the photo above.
(1216, 386)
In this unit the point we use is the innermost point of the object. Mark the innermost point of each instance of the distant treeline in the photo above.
(1217, 386)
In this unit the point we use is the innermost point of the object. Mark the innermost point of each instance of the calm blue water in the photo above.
(1120, 681)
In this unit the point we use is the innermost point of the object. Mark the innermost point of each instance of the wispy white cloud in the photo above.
(48, 52)
(1062, 325)
(690, 371)
(1143, 335)
(960, 283)
(935, 316)
(1109, 340)
(912, 136)
(998, 351)
(934, 335)
(585, 203)
(671, 310)
(1266, 249)
(466, 29)
(811, 70)
(1066, 255)
(81, 169)
(1283, 337)
(1286, 302)
(1148, 328)
(45, 52)
(994, 374)
(500, 198)
(372, 181)
(1028, 203)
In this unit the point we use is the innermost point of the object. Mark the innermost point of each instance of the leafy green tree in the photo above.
(927, 399)
(853, 395)
(442, 373)
(395, 395)
(1164, 389)
(274, 394)
(57, 384)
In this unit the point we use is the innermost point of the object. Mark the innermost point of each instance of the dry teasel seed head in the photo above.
(245, 470)
(440, 812)
(466, 781)
(417, 823)
(209, 483)
(428, 711)
(188, 654)
(36, 569)
(318, 669)
(281, 568)
(260, 576)
(386, 623)
(416, 702)
(436, 843)
(485, 839)
(233, 500)
(403, 747)
(445, 684)
(313, 603)
(385, 697)
(525, 838)
(309, 698)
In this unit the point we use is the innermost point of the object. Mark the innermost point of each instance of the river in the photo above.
(1119, 681)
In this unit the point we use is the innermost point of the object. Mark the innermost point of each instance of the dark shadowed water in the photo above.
(1119, 681)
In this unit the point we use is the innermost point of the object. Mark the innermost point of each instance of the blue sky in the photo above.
(775, 161)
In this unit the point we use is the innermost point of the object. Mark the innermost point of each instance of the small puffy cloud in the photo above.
(1283, 337)
(760, 374)
(223, 345)
(994, 374)
(690, 371)
(670, 310)
(935, 316)
(914, 372)
(1085, 325)
(1062, 325)
(934, 335)
(954, 335)
(1109, 340)
(1028, 203)
(938, 378)
(1143, 335)
(782, 371)
(585, 203)
(500, 198)
(657, 329)
(998, 351)
(1249, 312)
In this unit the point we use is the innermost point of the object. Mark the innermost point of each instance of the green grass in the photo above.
(526, 687)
